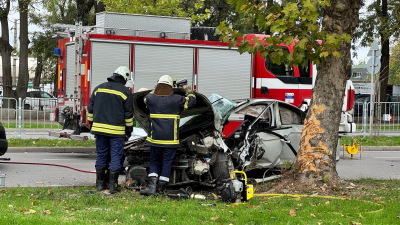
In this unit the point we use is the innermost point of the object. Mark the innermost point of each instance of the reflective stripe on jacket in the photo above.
(164, 118)
(110, 109)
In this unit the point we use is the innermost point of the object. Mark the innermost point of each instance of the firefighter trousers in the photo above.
(112, 147)
(161, 160)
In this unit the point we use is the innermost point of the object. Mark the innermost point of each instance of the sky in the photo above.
(362, 52)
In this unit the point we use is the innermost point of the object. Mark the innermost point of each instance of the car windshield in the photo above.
(221, 105)
(362, 99)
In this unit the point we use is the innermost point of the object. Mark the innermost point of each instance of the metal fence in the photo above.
(386, 116)
(28, 116)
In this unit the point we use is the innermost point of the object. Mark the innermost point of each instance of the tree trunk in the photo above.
(384, 71)
(98, 7)
(55, 91)
(83, 7)
(316, 159)
(38, 73)
(23, 76)
(5, 51)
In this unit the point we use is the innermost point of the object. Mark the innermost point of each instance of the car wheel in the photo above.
(220, 167)
(27, 106)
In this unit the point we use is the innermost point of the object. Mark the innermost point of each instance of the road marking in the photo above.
(387, 157)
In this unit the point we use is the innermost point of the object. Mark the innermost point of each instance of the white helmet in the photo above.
(124, 72)
(165, 79)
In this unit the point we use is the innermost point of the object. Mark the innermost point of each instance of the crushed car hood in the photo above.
(205, 113)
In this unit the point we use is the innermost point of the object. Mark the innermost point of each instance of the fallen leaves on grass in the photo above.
(214, 218)
(47, 212)
(31, 211)
(292, 212)
(355, 223)
(312, 214)
(143, 218)
(162, 220)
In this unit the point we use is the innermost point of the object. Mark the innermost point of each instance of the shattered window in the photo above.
(222, 106)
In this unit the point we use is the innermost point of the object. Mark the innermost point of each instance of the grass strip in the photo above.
(369, 202)
(374, 141)
(43, 142)
(28, 125)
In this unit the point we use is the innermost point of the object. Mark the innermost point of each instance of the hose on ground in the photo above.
(49, 164)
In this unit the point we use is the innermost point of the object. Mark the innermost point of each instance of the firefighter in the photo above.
(110, 114)
(163, 134)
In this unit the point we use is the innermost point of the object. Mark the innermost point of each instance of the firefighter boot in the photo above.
(151, 187)
(114, 181)
(107, 179)
(100, 179)
(162, 185)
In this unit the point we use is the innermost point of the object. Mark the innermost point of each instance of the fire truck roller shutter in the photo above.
(224, 72)
(70, 75)
(151, 62)
(106, 57)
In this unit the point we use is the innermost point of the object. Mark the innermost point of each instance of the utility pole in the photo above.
(14, 73)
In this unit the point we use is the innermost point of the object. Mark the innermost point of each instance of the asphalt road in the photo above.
(373, 164)
(40, 176)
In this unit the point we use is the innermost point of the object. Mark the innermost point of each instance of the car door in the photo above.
(261, 148)
(292, 120)
(46, 100)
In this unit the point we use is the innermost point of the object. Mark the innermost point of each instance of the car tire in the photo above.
(220, 167)
(27, 106)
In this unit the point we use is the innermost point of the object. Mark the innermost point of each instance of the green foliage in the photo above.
(42, 43)
(372, 23)
(176, 8)
(394, 65)
(325, 179)
(293, 21)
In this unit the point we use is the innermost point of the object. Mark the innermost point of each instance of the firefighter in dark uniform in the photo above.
(110, 114)
(163, 133)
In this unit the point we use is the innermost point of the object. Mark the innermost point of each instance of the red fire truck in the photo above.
(152, 46)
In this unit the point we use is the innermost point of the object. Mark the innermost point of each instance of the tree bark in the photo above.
(5, 51)
(384, 71)
(316, 159)
(83, 7)
(23, 76)
(38, 72)
(99, 7)
(55, 91)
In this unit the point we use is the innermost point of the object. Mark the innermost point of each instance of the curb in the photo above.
(90, 150)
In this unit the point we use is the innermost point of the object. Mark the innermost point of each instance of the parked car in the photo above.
(39, 100)
(387, 107)
(269, 136)
(3, 140)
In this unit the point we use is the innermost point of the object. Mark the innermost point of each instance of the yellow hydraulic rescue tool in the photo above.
(246, 191)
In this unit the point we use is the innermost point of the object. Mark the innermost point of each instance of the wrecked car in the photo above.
(3, 140)
(268, 137)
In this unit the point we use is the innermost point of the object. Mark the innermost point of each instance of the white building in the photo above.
(31, 68)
